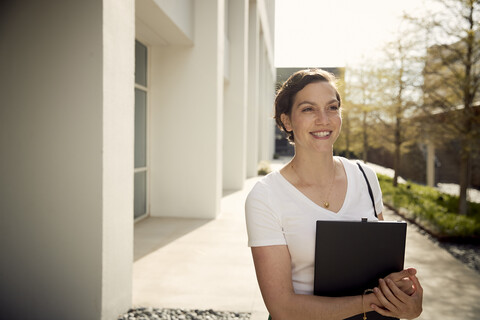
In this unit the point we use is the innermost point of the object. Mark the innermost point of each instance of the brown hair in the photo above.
(296, 82)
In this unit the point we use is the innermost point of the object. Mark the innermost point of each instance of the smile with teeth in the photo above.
(322, 134)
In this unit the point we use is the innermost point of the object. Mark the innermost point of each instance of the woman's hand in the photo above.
(395, 301)
(402, 280)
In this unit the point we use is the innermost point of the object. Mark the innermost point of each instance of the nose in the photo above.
(321, 117)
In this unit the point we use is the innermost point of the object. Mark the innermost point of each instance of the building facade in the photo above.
(112, 111)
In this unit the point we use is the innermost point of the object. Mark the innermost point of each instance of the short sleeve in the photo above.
(263, 224)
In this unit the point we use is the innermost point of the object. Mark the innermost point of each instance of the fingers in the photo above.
(405, 273)
(383, 312)
(402, 280)
(395, 302)
(412, 271)
(406, 285)
(392, 296)
(387, 306)
(396, 291)
(417, 285)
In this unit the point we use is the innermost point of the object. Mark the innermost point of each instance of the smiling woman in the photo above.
(315, 117)
(282, 210)
(307, 101)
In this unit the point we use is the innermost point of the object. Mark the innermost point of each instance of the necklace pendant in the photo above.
(326, 204)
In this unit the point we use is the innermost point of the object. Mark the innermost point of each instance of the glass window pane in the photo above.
(140, 64)
(140, 128)
(140, 195)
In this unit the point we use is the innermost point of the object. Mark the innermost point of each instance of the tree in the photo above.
(452, 78)
(360, 95)
(399, 93)
(384, 97)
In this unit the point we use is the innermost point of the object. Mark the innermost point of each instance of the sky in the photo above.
(334, 33)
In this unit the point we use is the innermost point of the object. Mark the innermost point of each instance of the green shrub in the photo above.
(264, 168)
(433, 210)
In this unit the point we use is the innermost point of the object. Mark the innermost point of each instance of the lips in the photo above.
(321, 134)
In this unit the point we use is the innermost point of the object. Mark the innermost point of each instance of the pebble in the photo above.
(182, 314)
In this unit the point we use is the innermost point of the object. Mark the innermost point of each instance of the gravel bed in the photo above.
(469, 254)
(182, 314)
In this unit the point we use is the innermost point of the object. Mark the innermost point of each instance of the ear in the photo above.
(286, 121)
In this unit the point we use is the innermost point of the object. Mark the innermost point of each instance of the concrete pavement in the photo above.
(206, 264)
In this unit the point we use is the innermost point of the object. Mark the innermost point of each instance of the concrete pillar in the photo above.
(264, 107)
(66, 135)
(266, 10)
(186, 95)
(235, 109)
(253, 90)
(118, 150)
(267, 124)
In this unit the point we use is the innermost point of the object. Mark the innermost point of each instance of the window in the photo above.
(140, 204)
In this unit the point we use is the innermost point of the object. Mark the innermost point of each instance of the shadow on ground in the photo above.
(152, 234)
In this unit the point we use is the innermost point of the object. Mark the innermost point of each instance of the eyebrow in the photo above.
(313, 103)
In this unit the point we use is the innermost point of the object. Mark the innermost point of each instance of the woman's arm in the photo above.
(273, 268)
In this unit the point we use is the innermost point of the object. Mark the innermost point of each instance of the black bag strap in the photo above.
(369, 189)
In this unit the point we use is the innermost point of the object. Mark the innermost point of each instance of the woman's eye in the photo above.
(307, 109)
(333, 108)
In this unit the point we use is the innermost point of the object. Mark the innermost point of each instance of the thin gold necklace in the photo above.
(326, 204)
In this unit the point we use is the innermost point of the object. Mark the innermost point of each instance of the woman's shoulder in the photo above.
(265, 184)
(264, 193)
(271, 187)
(354, 164)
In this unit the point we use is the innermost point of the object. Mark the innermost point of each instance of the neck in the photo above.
(316, 170)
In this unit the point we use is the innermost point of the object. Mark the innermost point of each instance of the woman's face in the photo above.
(315, 117)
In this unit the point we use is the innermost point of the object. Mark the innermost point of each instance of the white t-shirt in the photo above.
(277, 213)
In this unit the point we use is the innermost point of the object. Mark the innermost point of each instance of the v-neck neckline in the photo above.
(311, 202)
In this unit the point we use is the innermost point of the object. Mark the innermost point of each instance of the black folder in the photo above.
(350, 256)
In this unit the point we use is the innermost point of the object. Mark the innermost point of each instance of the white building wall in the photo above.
(199, 143)
(269, 101)
(118, 138)
(66, 135)
(164, 22)
(253, 89)
(66, 125)
(236, 94)
(263, 108)
(180, 12)
(186, 120)
(260, 137)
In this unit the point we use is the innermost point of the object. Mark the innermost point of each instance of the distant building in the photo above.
(435, 160)
(443, 94)
(112, 111)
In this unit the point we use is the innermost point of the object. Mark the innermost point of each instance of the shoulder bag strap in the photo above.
(369, 189)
